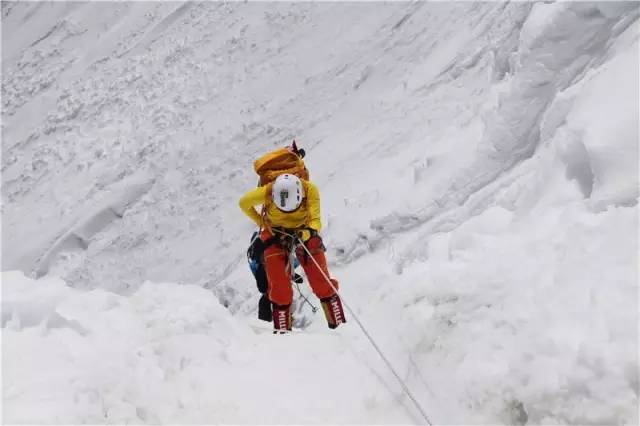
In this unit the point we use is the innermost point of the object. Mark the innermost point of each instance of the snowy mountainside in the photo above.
(478, 166)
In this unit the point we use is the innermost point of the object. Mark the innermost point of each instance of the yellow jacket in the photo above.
(306, 216)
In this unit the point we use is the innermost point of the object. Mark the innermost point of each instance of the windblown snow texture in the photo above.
(478, 168)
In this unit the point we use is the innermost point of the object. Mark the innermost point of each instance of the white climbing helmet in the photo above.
(287, 192)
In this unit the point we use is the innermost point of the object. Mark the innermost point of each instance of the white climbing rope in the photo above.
(366, 333)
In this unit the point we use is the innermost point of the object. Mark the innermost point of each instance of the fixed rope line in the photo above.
(307, 301)
(366, 333)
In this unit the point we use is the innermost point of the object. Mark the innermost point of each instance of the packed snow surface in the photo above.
(478, 169)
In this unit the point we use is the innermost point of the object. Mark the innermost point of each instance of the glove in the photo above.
(305, 233)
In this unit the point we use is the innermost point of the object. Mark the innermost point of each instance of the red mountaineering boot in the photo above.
(281, 318)
(333, 311)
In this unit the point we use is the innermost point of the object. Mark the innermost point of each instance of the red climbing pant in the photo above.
(276, 261)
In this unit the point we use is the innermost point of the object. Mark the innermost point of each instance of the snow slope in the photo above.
(478, 164)
(169, 354)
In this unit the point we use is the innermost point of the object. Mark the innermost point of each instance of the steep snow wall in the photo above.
(478, 164)
(444, 99)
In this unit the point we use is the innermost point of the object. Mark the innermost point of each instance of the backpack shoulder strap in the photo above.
(265, 207)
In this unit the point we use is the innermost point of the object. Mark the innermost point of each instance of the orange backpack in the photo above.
(280, 161)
